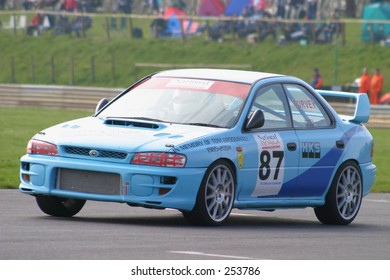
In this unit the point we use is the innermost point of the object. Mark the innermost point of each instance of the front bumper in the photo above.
(149, 186)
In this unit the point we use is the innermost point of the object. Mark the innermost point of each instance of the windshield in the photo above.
(184, 101)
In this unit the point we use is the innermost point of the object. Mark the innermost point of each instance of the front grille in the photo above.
(94, 153)
(88, 181)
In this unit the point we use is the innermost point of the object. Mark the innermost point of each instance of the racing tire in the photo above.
(343, 200)
(59, 206)
(215, 198)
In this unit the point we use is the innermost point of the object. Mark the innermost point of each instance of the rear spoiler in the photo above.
(361, 101)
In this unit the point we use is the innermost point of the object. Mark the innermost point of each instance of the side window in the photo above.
(307, 111)
(272, 101)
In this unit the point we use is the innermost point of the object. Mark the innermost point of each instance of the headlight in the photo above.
(41, 148)
(159, 159)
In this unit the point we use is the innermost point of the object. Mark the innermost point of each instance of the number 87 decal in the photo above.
(265, 160)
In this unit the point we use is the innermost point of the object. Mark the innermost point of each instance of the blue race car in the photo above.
(205, 141)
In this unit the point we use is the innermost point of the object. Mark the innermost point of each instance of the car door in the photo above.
(271, 160)
(318, 136)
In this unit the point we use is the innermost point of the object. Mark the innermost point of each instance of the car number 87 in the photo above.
(265, 160)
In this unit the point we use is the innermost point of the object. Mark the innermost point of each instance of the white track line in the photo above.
(209, 255)
(377, 200)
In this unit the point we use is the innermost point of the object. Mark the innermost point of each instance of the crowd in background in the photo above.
(257, 21)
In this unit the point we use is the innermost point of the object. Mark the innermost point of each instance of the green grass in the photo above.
(18, 125)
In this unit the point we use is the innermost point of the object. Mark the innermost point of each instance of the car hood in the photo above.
(123, 134)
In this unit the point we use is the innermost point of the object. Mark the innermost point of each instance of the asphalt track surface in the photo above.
(110, 231)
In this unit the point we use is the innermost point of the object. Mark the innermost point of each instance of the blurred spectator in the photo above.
(79, 24)
(36, 22)
(281, 9)
(179, 4)
(268, 28)
(365, 82)
(125, 7)
(148, 6)
(145, 6)
(317, 80)
(28, 4)
(294, 7)
(259, 5)
(86, 6)
(312, 9)
(156, 4)
(158, 26)
(62, 26)
(376, 86)
(248, 11)
(333, 27)
(70, 5)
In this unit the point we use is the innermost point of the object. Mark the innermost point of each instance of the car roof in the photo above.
(239, 76)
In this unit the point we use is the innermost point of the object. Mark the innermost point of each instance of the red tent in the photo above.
(211, 8)
(169, 12)
(178, 23)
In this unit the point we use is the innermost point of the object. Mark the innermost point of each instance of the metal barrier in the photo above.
(66, 97)
(379, 114)
(86, 98)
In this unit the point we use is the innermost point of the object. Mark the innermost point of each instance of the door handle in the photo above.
(340, 144)
(291, 146)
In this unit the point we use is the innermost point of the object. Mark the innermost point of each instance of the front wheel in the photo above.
(59, 206)
(344, 197)
(216, 196)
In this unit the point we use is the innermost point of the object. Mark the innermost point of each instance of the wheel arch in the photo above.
(232, 165)
(337, 169)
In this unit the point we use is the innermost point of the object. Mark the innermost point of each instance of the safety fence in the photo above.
(86, 98)
(65, 97)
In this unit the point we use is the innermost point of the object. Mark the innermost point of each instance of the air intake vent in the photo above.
(132, 123)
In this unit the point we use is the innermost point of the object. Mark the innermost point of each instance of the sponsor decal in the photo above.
(305, 104)
(223, 148)
(311, 150)
(269, 141)
(270, 165)
(189, 83)
(191, 145)
(213, 141)
(240, 160)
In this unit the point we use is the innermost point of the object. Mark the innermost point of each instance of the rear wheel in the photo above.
(59, 206)
(344, 197)
(216, 196)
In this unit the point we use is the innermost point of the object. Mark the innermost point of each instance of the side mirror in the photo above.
(103, 102)
(256, 120)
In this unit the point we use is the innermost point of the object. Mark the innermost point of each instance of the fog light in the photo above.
(26, 178)
(163, 191)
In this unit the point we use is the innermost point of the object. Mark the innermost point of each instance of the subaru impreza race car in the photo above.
(205, 141)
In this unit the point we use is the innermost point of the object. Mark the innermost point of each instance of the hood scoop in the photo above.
(128, 123)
